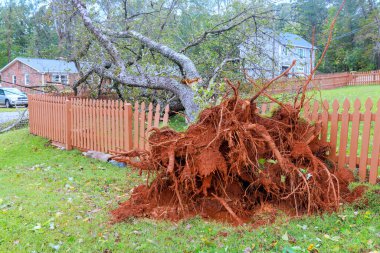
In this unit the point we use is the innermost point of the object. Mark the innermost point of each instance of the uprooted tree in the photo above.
(162, 55)
(233, 163)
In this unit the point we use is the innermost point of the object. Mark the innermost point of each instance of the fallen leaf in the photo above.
(54, 246)
(285, 237)
(37, 227)
(247, 250)
(310, 247)
(136, 232)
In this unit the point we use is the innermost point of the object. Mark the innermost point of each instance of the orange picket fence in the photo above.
(365, 78)
(88, 124)
(353, 131)
(326, 81)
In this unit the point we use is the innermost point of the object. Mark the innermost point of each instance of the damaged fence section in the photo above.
(89, 124)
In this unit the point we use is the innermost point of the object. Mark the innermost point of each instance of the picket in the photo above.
(314, 115)
(343, 134)
(149, 125)
(354, 135)
(108, 119)
(157, 116)
(306, 110)
(127, 127)
(142, 126)
(136, 126)
(120, 141)
(375, 148)
(365, 140)
(325, 119)
(334, 129)
(263, 108)
(165, 119)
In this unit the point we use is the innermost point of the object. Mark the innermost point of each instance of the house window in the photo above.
(55, 79)
(14, 79)
(27, 80)
(63, 79)
(301, 52)
(285, 50)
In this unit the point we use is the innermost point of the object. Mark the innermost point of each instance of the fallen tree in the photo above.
(233, 163)
(132, 56)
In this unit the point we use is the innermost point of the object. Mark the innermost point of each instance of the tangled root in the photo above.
(233, 163)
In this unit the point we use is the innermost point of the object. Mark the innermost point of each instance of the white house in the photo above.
(267, 54)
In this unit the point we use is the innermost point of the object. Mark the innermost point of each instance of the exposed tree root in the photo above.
(233, 161)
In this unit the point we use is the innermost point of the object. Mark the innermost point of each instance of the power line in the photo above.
(353, 31)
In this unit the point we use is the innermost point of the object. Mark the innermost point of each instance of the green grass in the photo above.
(59, 199)
(3, 109)
(351, 93)
(178, 123)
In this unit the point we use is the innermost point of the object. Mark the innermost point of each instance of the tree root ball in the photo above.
(233, 164)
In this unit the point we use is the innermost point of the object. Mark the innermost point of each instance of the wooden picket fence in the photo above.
(364, 78)
(326, 81)
(104, 125)
(88, 124)
(354, 134)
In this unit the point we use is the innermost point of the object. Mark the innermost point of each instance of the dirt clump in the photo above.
(233, 163)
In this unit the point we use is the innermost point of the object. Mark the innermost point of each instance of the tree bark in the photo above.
(119, 73)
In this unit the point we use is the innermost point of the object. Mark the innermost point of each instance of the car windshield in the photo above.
(12, 91)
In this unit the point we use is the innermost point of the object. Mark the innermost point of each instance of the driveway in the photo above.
(9, 116)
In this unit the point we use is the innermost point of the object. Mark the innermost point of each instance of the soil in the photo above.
(237, 166)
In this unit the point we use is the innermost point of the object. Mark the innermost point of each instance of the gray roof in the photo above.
(46, 65)
(291, 39)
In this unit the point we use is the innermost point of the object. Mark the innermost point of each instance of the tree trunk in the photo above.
(187, 99)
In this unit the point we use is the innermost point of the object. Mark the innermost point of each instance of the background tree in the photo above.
(26, 29)
(163, 45)
(175, 50)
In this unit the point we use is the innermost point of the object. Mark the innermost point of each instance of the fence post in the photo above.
(68, 125)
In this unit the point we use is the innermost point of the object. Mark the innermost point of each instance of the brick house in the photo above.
(34, 72)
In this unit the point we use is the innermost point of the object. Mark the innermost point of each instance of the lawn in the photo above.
(3, 109)
(59, 201)
(350, 92)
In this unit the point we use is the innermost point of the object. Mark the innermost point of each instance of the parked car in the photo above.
(12, 97)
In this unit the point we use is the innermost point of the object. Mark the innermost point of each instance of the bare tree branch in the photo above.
(82, 52)
(222, 30)
(81, 80)
(103, 39)
(220, 67)
(184, 62)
